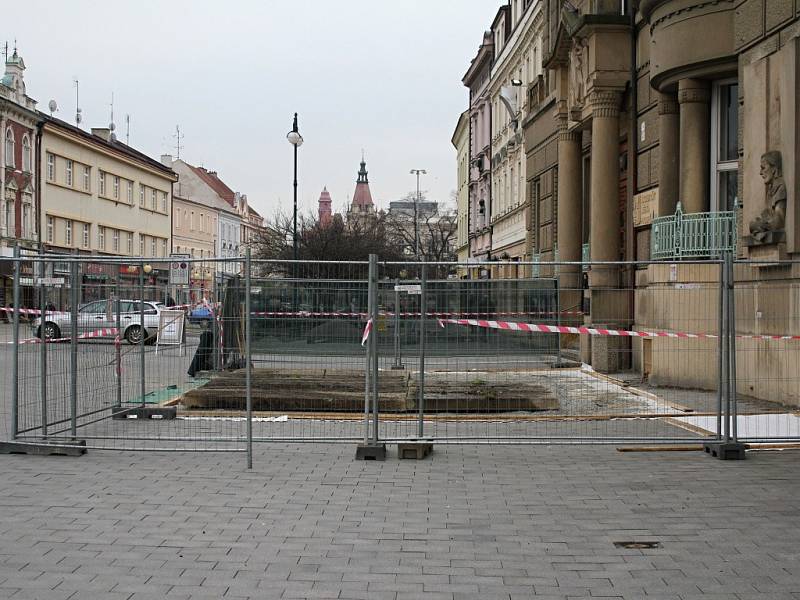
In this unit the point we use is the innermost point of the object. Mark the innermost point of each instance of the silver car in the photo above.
(98, 315)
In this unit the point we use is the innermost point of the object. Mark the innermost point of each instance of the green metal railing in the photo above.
(693, 235)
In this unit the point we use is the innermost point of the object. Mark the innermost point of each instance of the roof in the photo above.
(215, 183)
(463, 122)
(112, 145)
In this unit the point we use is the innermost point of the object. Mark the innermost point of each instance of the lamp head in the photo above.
(295, 139)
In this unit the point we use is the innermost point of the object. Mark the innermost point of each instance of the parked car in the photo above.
(94, 316)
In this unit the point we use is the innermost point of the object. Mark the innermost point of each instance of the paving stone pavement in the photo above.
(480, 522)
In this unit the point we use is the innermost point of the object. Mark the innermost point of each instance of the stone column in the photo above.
(693, 96)
(669, 153)
(604, 233)
(570, 213)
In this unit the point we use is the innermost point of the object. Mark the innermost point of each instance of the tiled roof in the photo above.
(215, 183)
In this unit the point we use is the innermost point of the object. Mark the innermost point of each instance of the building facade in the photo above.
(203, 187)
(19, 205)
(460, 141)
(103, 198)
(480, 138)
(194, 232)
(517, 62)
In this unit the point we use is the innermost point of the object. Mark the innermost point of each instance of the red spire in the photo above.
(325, 207)
(362, 198)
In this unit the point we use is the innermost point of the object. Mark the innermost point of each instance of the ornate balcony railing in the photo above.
(693, 235)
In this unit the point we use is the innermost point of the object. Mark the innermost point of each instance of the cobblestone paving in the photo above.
(478, 522)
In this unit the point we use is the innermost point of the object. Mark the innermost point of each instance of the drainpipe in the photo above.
(633, 147)
(38, 192)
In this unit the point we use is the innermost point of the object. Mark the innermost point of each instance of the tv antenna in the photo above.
(127, 130)
(178, 137)
(111, 125)
(78, 115)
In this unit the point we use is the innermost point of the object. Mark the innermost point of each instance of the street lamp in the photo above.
(296, 140)
(417, 172)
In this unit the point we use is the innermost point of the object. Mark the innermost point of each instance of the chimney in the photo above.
(166, 159)
(212, 173)
(102, 132)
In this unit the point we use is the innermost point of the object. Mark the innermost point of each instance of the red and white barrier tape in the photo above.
(365, 335)
(32, 311)
(410, 314)
(542, 328)
(97, 333)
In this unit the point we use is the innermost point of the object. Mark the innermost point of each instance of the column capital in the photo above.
(605, 103)
(668, 104)
(693, 90)
(564, 133)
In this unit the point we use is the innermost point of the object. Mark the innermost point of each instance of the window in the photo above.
(141, 195)
(177, 218)
(130, 243)
(9, 218)
(202, 222)
(116, 187)
(68, 173)
(26, 154)
(9, 147)
(163, 202)
(50, 224)
(152, 246)
(51, 167)
(85, 235)
(86, 174)
(116, 241)
(163, 247)
(101, 237)
(141, 245)
(68, 233)
(130, 192)
(102, 184)
(724, 145)
(26, 221)
(191, 222)
(153, 199)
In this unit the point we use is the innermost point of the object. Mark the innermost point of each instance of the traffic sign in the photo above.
(179, 269)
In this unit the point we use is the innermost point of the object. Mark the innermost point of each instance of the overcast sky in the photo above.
(380, 75)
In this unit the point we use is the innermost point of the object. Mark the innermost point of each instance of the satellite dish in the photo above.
(111, 126)
(53, 106)
(78, 117)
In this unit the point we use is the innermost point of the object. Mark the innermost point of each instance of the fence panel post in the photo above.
(722, 317)
(248, 358)
(15, 353)
(373, 341)
(143, 386)
(733, 409)
(43, 345)
(368, 354)
(423, 308)
(73, 349)
(398, 361)
(118, 345)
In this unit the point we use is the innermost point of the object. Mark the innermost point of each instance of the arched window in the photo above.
(26, 154)
(9, 147)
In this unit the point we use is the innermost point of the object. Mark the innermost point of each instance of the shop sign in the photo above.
(645, 206)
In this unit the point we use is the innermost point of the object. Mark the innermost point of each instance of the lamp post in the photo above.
(296, 140)
(417, 172)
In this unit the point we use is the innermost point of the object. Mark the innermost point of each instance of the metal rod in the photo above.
(73, 349)
(117, 345)
(373, 340)
(734, 411)
(143, 386)
(720, 349)
(43, 347)
(398, 362)
(368, 355)
(15, 354)
(726, 424)
(248, 362)
(423, 308)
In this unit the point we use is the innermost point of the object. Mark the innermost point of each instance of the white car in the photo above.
(94, 316)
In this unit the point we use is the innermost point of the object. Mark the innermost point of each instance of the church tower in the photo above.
(362, 208)
(325, 215)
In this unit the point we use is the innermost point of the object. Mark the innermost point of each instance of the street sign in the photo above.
(49, 281)
(413, 288)
(179, 269)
